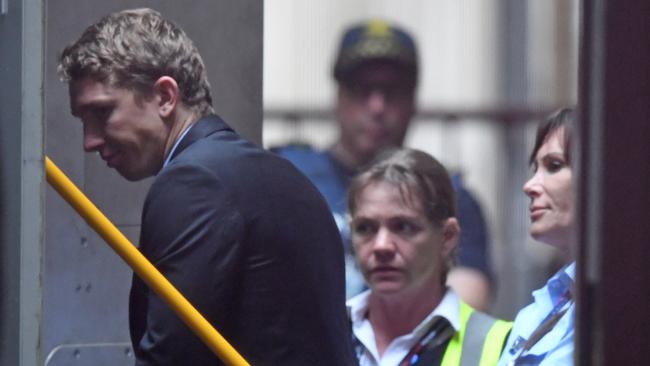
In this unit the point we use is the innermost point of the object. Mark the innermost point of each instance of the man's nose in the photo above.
(93, 139)
(377, 101)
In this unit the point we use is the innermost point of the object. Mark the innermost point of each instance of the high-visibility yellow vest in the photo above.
(479, 340)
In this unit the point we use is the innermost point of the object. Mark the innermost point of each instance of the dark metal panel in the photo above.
(615, 134)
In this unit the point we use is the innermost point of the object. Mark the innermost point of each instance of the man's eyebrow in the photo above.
(78, 109)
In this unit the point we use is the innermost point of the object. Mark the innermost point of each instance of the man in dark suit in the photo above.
(240, 232)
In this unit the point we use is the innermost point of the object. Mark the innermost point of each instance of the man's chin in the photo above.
(131, 176)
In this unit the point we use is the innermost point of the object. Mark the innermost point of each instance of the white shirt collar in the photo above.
(449, 308)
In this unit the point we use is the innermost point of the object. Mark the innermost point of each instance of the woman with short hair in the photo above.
(404, 234)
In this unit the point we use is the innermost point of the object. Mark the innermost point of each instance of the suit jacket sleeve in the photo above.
(191, 231)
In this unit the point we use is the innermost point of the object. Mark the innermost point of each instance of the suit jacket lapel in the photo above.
(205, 126)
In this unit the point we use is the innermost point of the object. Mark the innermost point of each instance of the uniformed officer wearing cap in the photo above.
(376, 69)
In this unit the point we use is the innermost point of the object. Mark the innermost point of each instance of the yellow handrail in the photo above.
(140, 265)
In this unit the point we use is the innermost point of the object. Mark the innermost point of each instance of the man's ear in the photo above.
(451, 235)
(166, 90)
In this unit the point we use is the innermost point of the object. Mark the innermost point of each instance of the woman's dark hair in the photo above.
(564, 117)
(412, 171)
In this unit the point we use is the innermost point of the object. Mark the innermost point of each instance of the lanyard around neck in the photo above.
(438, 333)
(521, 346)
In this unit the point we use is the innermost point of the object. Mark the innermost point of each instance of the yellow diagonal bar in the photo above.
(140, 265)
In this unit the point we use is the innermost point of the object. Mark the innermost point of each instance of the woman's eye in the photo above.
(404, 227)
(362, 228)
(554, 165)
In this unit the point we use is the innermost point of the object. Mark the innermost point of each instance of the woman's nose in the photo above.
(532, 187)
(383, 242)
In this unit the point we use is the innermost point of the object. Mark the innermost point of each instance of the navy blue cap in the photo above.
(375, 40)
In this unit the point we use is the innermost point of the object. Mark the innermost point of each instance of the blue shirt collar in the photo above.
(561, 282)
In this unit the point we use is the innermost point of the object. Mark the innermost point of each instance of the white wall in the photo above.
(457, 48)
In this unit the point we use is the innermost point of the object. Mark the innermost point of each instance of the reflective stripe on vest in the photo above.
(478, 342)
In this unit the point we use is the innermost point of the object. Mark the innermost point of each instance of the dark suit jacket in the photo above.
(252, 245)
